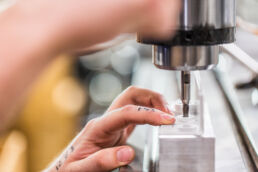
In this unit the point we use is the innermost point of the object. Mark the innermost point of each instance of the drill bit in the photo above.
(185, 91)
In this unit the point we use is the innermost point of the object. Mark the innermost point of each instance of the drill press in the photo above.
(202, 26)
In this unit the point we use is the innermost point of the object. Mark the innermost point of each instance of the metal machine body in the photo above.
(189, 145)
(155, 146)
(202, 26)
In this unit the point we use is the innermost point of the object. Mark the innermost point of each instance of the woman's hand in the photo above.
(101, 144)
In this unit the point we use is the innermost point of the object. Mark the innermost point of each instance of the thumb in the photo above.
(105, 159)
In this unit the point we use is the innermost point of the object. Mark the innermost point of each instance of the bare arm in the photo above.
(24, 53)
(33, 32)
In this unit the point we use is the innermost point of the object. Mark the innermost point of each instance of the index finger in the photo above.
(132, 114)
(142, 97)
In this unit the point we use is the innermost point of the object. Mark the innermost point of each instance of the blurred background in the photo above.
(71, 91)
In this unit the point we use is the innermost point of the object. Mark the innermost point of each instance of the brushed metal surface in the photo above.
(184, 153)
(207, 13)
(201, 15)
(185, 58)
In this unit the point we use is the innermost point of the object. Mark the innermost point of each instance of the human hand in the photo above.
(101, 144)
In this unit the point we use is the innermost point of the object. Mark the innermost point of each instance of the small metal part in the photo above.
(186, 110)
(185, 91)
(177, 107)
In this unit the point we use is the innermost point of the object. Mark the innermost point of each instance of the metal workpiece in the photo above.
(183, 153)
(189, 144)
(185, 58)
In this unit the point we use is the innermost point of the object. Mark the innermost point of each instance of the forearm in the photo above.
(24, 52)
(34, 31)
(31, 34)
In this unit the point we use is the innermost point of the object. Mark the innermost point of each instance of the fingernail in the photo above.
(167, 119)
(125, 154)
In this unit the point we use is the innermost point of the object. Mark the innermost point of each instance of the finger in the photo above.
(104, 160)
(131, 114)
(150, 99)
(129, 130)
(159, 102)
(142, 97)
(126, 133)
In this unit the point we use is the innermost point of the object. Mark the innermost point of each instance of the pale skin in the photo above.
(34, 32)
(101, 145)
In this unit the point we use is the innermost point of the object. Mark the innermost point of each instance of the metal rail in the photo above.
(237, 53)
